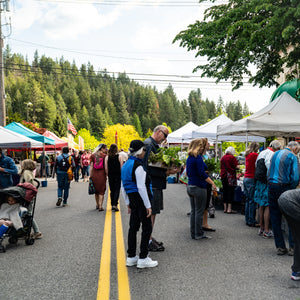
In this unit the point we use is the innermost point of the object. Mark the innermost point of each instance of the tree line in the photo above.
(51, 91)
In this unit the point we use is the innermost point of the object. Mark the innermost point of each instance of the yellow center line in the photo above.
(123, 280)
(104, 273)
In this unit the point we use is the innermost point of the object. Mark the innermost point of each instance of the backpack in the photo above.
(64, 164)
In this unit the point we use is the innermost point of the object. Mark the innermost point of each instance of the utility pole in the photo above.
(4, 6)
(2, 98)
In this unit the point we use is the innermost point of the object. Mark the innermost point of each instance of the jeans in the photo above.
(198, 201)
(274, 192)
(249, 187)
(138, 215)
(76, 173)
(42, 170)
(115, 186)
(63, 186)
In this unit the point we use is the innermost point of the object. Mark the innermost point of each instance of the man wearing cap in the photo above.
(158, 178)
(137, 193)
(7, 169)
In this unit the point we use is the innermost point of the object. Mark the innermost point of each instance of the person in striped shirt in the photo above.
(283, 175)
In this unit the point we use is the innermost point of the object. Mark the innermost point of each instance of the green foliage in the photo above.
(239, 147)
(167, 156)
(238, 34)
(212, 165)
(90, 142)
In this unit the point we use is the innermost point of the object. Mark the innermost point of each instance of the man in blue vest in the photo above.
(7, 169)
(137, 193)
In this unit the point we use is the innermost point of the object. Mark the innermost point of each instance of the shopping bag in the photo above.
(91, 187)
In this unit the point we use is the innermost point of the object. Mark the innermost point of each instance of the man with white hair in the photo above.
(283, 175)
(158, 178)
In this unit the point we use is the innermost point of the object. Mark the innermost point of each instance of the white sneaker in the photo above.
(131, 261)
(146, 263)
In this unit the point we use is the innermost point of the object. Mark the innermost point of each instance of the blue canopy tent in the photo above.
(19, 128)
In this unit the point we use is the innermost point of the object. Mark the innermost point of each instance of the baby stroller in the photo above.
(25, 195)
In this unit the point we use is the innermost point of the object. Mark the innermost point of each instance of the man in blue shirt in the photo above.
(283, 175)
(62, 164)
(7, 169)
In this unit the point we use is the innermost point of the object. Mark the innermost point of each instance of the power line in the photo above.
(110, 56)
(155, 81)
(132, 3)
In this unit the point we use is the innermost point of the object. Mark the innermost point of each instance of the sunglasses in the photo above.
(164, 134)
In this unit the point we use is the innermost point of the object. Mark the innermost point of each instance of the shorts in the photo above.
(261, 194)
(157, 203)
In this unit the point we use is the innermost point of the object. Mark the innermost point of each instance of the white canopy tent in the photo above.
(279, 118)
(10, 139)
(209, 131)
(175, 137)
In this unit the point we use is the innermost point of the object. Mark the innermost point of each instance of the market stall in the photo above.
(279, 118)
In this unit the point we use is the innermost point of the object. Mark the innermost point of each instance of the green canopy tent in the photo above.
(291, 87)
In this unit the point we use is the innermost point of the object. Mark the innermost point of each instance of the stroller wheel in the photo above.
(2, 249)
(13, 240)
(29, 241)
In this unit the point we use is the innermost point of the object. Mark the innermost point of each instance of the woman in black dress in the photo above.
(113, 165)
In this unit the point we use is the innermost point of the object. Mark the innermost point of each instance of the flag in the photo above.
(71, 127)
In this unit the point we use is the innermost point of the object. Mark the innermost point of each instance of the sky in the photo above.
(131, 36)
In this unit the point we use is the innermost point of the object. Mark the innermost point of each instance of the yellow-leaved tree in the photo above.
(125, 134)
(90, 142)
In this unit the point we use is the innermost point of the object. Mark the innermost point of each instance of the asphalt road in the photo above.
(235, 264)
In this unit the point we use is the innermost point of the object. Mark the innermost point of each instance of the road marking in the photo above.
(123, 280)
(104, 273)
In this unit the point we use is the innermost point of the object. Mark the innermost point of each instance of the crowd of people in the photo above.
(270, 181)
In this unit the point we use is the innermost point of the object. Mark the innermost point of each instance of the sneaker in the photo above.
(59, 200)
(146, 263)
(37, 235)
(157, 242)
(295, 276)
(65, 204)
(131, 261)
(291, 252)
(260, 232)
(155, 247)
(282, 251)
(268, 234)
(203, 237)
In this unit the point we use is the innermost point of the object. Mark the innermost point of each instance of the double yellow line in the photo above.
(104, 273)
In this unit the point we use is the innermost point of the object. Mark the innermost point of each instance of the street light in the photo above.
(29, 103)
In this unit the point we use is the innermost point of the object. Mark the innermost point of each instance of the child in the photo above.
(27, 175)
(9, 215)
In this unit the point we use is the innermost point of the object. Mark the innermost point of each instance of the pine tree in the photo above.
(137, 124)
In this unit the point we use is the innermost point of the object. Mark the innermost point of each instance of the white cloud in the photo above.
(25, 13)
(61, 21)
(70, 21)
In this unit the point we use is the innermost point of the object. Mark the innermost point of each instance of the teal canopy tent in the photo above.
(291, 87)
(19, 128)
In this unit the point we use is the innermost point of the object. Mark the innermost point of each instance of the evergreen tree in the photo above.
(238, 111)
(246, 111)
(137, 124)
(83, 119)
(59, 128)
(98, 122)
